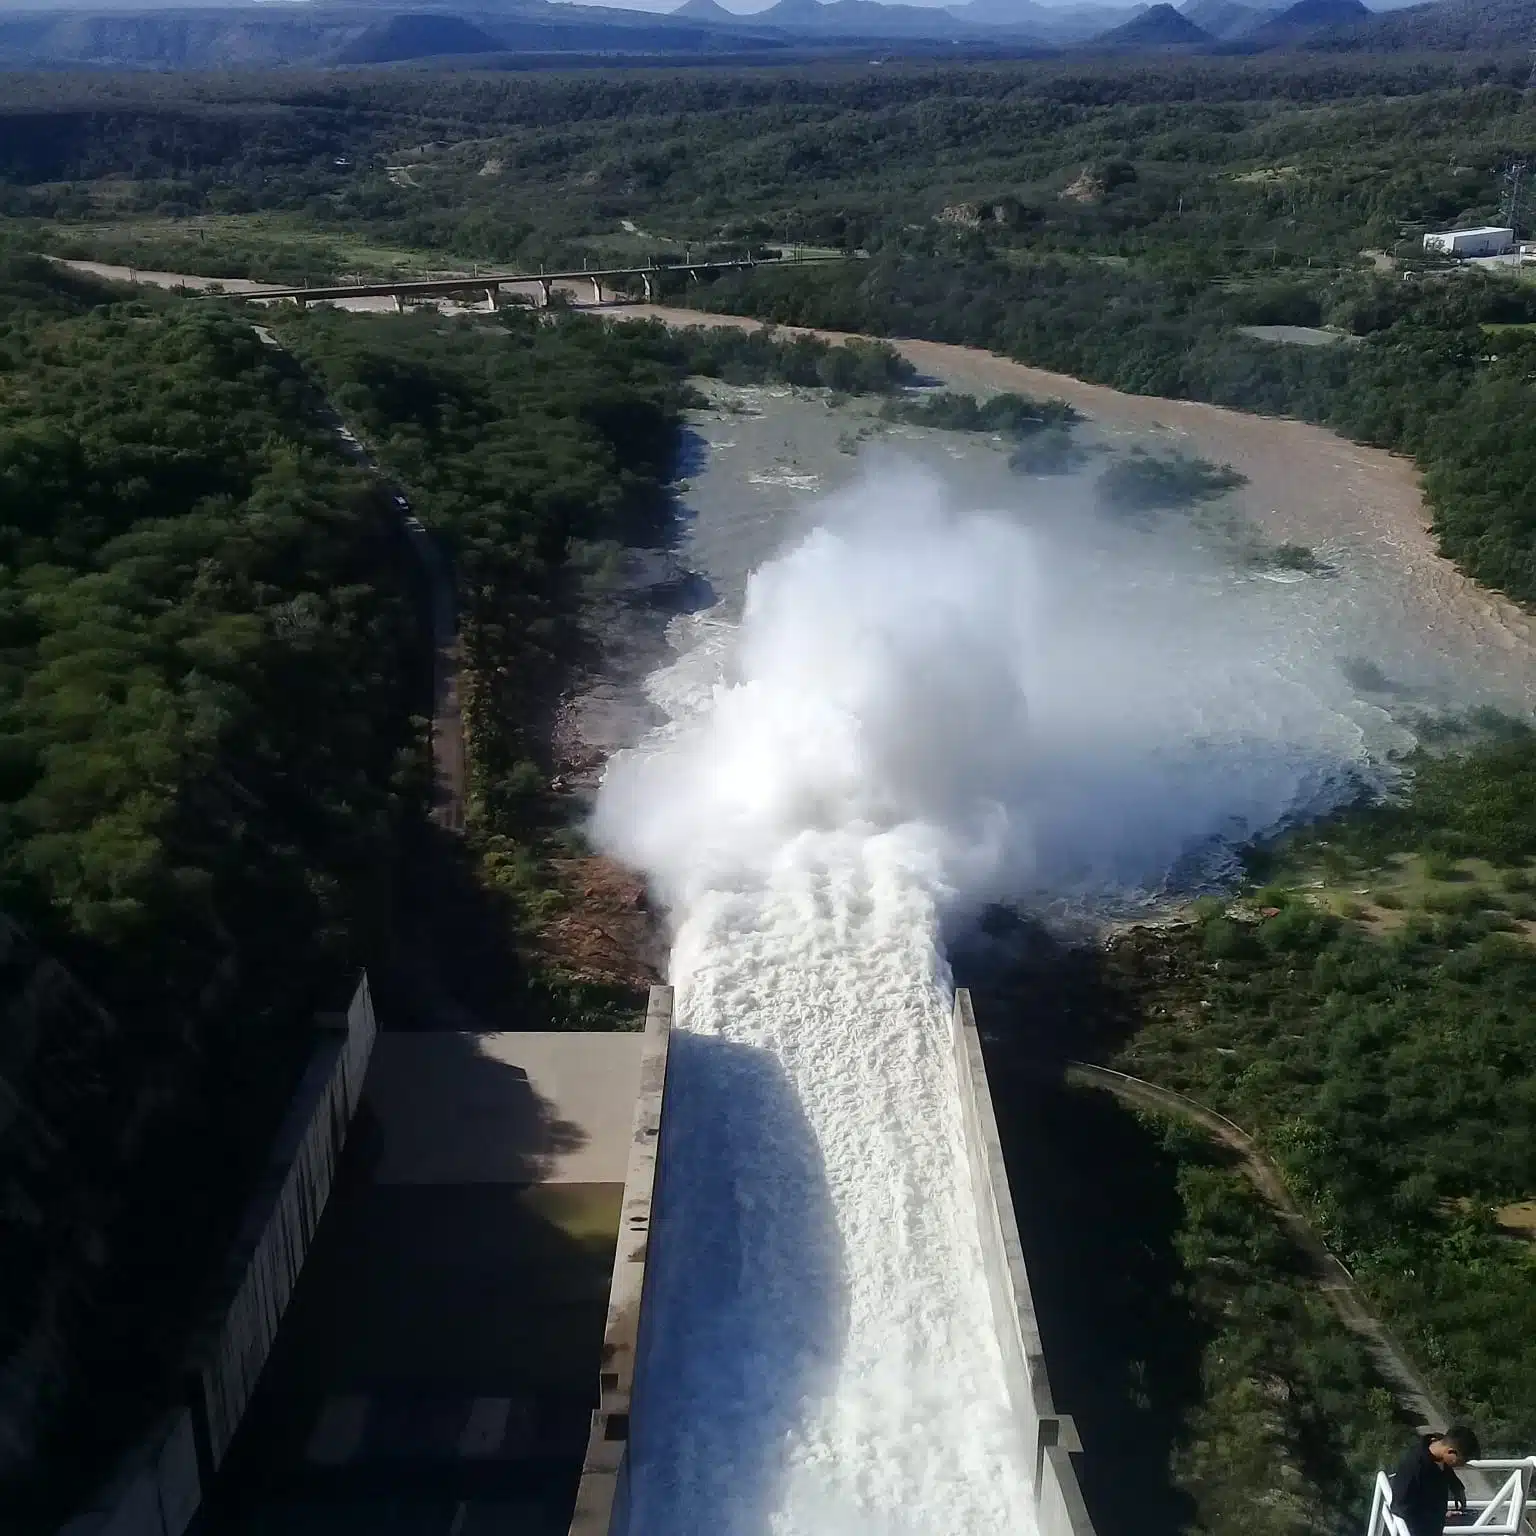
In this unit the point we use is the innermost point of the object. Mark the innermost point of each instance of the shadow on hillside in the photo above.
(1098, 1207)
(438, 1278)
(452, 960)
(1039, 999)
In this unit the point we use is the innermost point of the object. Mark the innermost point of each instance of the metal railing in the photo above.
(1504, 1512)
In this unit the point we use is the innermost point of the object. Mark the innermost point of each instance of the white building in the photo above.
(1487, 241)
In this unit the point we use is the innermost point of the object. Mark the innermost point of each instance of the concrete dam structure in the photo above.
(627, 1422)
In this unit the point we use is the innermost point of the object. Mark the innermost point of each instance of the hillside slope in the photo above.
(417, 37)
(1160, 28)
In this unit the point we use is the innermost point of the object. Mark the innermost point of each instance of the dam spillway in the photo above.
(750, 1381)
(818, 1346)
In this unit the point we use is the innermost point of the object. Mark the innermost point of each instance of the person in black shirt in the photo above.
(1425, 1482)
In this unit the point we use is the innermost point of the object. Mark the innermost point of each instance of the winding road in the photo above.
(1333, 1280)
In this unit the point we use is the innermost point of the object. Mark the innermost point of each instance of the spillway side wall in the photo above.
(602, 1495)
(1049, 1436)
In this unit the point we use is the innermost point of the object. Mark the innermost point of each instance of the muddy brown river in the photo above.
(1360, 508)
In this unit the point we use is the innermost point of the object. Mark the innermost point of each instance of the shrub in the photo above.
(1441, 866)
(1141, 483)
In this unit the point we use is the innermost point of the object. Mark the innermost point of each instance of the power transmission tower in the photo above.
(1514, 194)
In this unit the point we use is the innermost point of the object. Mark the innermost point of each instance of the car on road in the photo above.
(401, 502)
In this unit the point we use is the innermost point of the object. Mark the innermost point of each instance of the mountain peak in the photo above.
(707, 10)
(1160, 26)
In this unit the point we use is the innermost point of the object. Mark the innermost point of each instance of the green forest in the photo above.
(1118, 221)
(206, 653)
(1377, 1043)
(1361, 1005)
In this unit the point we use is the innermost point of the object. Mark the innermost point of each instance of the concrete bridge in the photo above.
(490, 284)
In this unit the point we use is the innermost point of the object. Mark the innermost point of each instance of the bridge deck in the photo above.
(487, 280)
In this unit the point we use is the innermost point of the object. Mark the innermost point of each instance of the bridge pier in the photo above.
(492, 297)
(399, 304)
(544, 290)
(649, 287)
(597, 291)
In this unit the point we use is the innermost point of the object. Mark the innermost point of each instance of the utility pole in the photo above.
(1514, 194)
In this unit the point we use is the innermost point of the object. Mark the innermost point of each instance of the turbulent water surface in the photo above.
(912, 679)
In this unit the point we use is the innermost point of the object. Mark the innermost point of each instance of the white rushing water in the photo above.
(917, 709)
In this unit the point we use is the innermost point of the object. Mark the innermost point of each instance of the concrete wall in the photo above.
(601, 1498)
(159, 1487)
(279, 1225)
(1050, 1437)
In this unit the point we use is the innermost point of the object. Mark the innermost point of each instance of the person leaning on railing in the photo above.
(1425, 1482)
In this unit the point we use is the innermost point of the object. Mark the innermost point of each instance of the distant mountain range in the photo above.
(417, 37)
(1449, 26)
(375, 32)
(859, 18)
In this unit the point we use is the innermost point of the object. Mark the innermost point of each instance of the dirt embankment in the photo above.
(608, 933)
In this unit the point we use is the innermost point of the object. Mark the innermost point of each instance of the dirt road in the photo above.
(1333, 1280)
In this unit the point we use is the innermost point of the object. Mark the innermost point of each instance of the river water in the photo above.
(1172, 659)
(907, 677)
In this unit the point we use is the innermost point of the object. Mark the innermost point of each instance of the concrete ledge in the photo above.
(601, 1495)
(1050, 1437)
(1059, 1508)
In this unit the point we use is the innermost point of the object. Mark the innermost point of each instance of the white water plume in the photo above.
(917, 708)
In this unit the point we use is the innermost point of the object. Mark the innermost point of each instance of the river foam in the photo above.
(918, 709)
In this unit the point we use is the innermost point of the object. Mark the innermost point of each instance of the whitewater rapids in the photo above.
(909, 716)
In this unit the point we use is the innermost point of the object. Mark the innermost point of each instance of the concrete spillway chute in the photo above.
(1049, 1437)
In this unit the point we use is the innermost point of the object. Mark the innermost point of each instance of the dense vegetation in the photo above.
(1009, 415)
(1253, 162)
(1213, 1388)
(538, 450)
(1367, 1013)
(206, 643)
(1362, 1007)
(1117, 221)
(210, 749)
